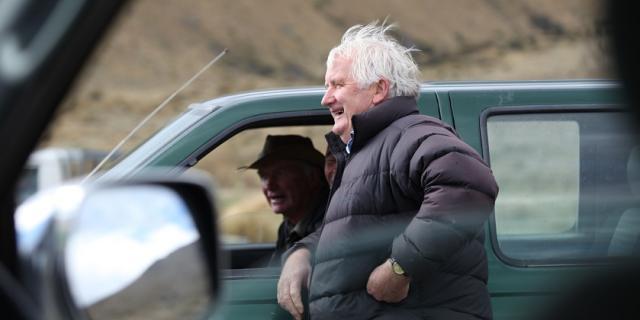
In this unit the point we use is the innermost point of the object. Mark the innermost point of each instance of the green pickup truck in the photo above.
(563, 152)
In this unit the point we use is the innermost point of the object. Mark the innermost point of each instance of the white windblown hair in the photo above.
(376, 55)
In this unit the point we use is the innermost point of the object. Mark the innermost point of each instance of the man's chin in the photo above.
(278, 209)
(342, 131)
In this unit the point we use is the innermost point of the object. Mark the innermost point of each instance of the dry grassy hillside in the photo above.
(159, 44)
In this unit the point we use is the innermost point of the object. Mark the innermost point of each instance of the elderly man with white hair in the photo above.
(402, 236)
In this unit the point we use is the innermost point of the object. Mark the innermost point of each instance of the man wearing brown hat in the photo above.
(291, 174)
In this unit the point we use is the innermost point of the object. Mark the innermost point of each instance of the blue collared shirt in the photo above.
(350, 142)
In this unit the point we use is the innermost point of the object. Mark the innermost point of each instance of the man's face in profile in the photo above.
(287, 187)
(344, 97)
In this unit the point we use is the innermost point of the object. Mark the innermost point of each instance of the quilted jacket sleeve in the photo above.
(309, 242)
(458, 195)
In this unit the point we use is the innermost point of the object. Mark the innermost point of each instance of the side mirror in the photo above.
(131, 249)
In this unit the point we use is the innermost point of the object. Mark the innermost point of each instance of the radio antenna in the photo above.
(156, 110)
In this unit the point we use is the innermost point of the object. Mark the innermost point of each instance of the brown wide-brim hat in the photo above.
(288, 147)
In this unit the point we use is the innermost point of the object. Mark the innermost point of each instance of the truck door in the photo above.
(563, 155)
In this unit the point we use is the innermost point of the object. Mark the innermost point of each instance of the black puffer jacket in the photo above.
(412, 190)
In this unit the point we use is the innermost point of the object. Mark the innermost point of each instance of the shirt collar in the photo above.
(350, 142)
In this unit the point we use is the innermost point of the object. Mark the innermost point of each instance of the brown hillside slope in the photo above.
(159, 44)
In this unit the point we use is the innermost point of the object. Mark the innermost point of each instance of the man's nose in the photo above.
(327, 99)
(269, 182)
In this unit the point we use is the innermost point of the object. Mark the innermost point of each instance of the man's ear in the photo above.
(381, 91)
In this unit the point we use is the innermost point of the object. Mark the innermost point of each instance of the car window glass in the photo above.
(244, 214)
(566, 186)
(532, 203)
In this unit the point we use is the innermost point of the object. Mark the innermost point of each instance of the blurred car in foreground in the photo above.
(128, 249)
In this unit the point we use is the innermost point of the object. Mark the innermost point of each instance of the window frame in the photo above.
(278, 119)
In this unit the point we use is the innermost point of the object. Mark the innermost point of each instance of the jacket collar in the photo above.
(371, 122)
(335, 143)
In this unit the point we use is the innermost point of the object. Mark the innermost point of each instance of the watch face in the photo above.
(397, 269)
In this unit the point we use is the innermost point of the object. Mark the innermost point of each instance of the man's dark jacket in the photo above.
(289, 234)
(413, 190)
